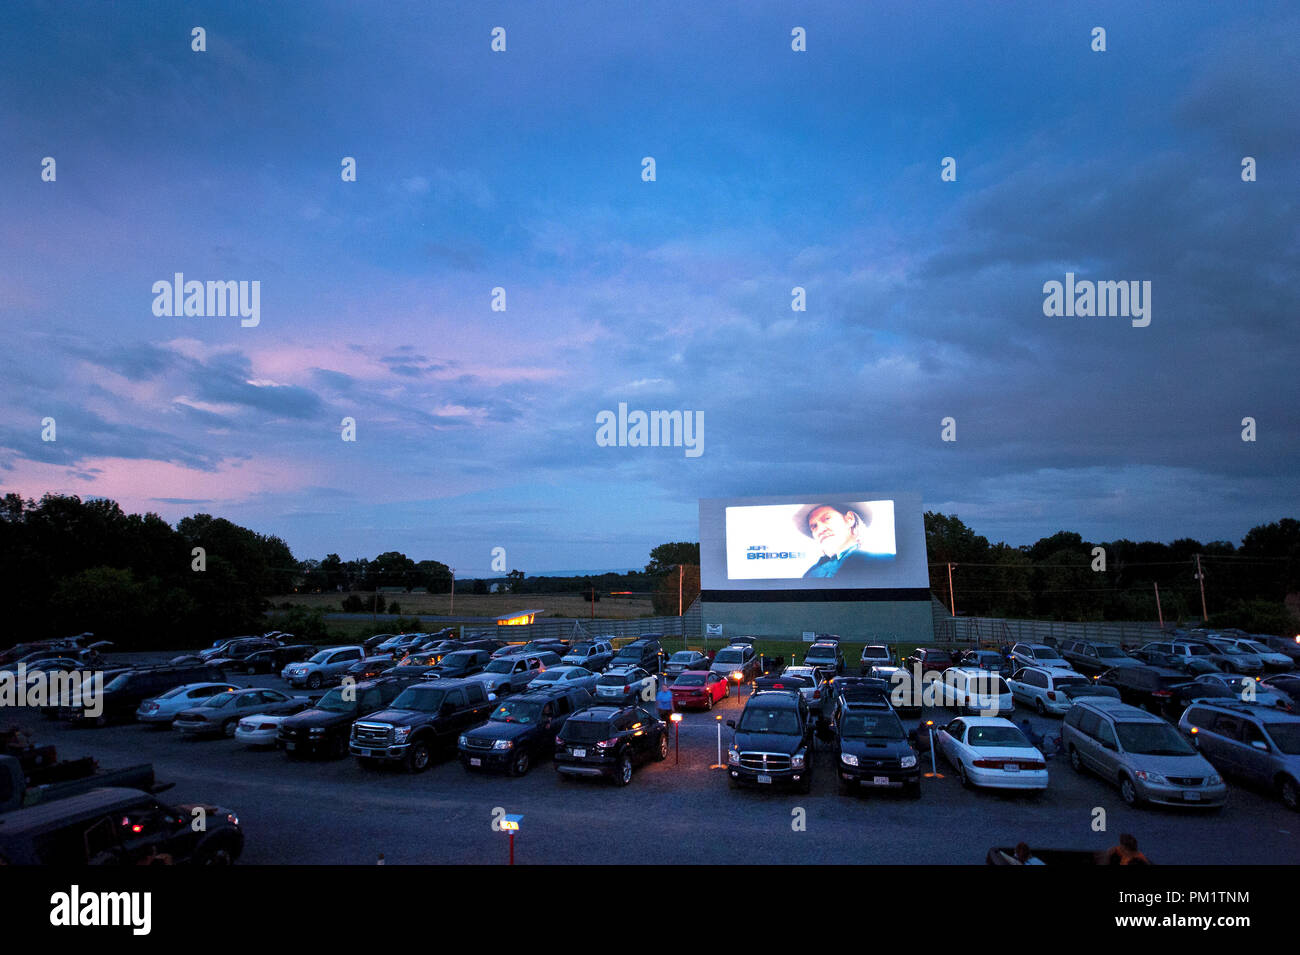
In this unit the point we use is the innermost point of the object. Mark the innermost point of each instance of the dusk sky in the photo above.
(774, 169)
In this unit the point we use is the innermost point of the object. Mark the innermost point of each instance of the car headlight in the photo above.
(401, 732)
(796, 761)
(1215, 780)
(848, 759)
(908, 762)
(1154, 778)
(462, 741)
(733, 757)
(316, 731)
(232, 819)
(502, 744)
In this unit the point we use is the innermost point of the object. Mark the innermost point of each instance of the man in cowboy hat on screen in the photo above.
(837, 529)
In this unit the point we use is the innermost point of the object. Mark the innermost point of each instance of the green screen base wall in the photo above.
(872, 621)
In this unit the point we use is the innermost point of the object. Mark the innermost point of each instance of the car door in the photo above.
(1227, 730)
(717, 686)
(1086, 743)
(1255, 754)
(461, 718)
(1109, 758)
(951, 739)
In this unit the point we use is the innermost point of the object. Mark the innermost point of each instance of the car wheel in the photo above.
(1076, 761)
(1289, 790)
(662, 753)
(417, 760)
(229, 726)
(624, 770)
(214, 855)
(314, 681)
(1040, 706)
(521, 764)
(250, 669)
(961, 774)
(1128, 792)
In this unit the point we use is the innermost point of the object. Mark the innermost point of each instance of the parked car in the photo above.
(511, 674)
(1141, 753)
(325, 667)
(1258, 744)
(609, 741)
(124, 693)
(699, 688)
(118, 826)
(992, 752)
(219, 715)
(875, 655)
(461, 663)
(1235, 658)
(564, 678)
(1289, 647)
(1273, 660)
(1037, 655)
(275, 659)
(1248, 690)
(372, 644)
(773, 744)
(976, 691)
(594, 655)
(162, 709)
(558, 647)
(416, 665)
(645, 653)
(928, 659)
(425, 719)
(624, 685)
(873, 750)
(260, 729)
(1187, 650)
(1043, 688)
(989, 660)
(1093, 656)
(398, 644)
(1148, 687)
(1193, 666)
(825, 656)
(238, 647)
(739, 663)
(816, 684)
(369, 668)
(684, 660)
(905, 693)
(521, 731)
(1285, 683)
(323, 729)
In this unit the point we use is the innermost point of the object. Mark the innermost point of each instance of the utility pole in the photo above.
(1201, 577)
(681, 569)
(1159, 612)
(952, 601)
(453, 591)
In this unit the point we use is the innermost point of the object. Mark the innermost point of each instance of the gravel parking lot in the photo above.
(334, 812)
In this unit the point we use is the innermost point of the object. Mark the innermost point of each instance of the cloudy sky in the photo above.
(475, 169)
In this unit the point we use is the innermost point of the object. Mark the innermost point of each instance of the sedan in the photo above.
(1249, 690)
(684, 660)
(164, 708)
(991, 751)
(260, 729)
(565, 676)
(699, 688)
(220, 715)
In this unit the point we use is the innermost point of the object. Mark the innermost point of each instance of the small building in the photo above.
(522, 618)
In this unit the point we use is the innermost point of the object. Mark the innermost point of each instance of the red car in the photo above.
(699, 688)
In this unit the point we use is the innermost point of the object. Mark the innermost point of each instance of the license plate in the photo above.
(475, 761)
(580, 753)
(764, 779)
(880, 780)
(290, 745)
(1011, 767)
(1192, 797)
(365, 752)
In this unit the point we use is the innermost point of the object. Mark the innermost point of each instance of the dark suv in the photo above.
(773, 744)
(426, 718)
(609, 741)
(644, 653)
(123, 694)
(825, 655)
(874, 749)
(461, 663)
(324, 729)
(521, 730)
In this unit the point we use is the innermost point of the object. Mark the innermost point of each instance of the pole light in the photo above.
(934, 768)
(719, 764)
(510, 824)
(677, 741)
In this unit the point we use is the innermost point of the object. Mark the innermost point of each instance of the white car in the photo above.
(976, 691)
(259, 729)
(811, 694)
(564, 676)
(991, 751)
(1043, 688)
(1037, 655)
(624, 683)
(1270, 657)
(162, 709)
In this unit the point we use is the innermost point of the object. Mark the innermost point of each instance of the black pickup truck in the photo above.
(425, 719)
(28, 778)
(521, 730)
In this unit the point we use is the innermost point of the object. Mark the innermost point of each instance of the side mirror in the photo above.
(1260, 745)
(911, 736)
(731, 723)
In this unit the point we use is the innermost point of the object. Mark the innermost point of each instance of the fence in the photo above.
(994, 631)
(569, 628)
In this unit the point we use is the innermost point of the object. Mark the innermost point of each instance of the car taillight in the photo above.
(991, 763)
(1162, 693)
(559, 742)
(1051, 694)
(607, 743)
(817, 694)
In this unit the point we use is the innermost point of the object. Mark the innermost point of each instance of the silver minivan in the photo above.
(1251, 742)
(1147, 758)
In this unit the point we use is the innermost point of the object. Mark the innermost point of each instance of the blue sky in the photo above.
(521, 169)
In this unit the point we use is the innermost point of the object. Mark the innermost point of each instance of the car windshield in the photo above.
(1046, 653)
(872, 726)
(581, 649)
(500, 666)
(320, 657)
(1063, 681)
(763, 719)
(1197, 650)
(335, 703)
(218, 700)
(682, 656)
(426, 699)
(517, 711)
(821, 652)
(615, 679)
(457, 659)
(1286, 736)
(876, 653)
(690, 679)
(1152, 739)
(1110, 653)
(1003, 737)
(728, 656)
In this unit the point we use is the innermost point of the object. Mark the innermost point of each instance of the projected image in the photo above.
(847, 541)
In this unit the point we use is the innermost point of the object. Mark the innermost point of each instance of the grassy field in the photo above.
(487, 605)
